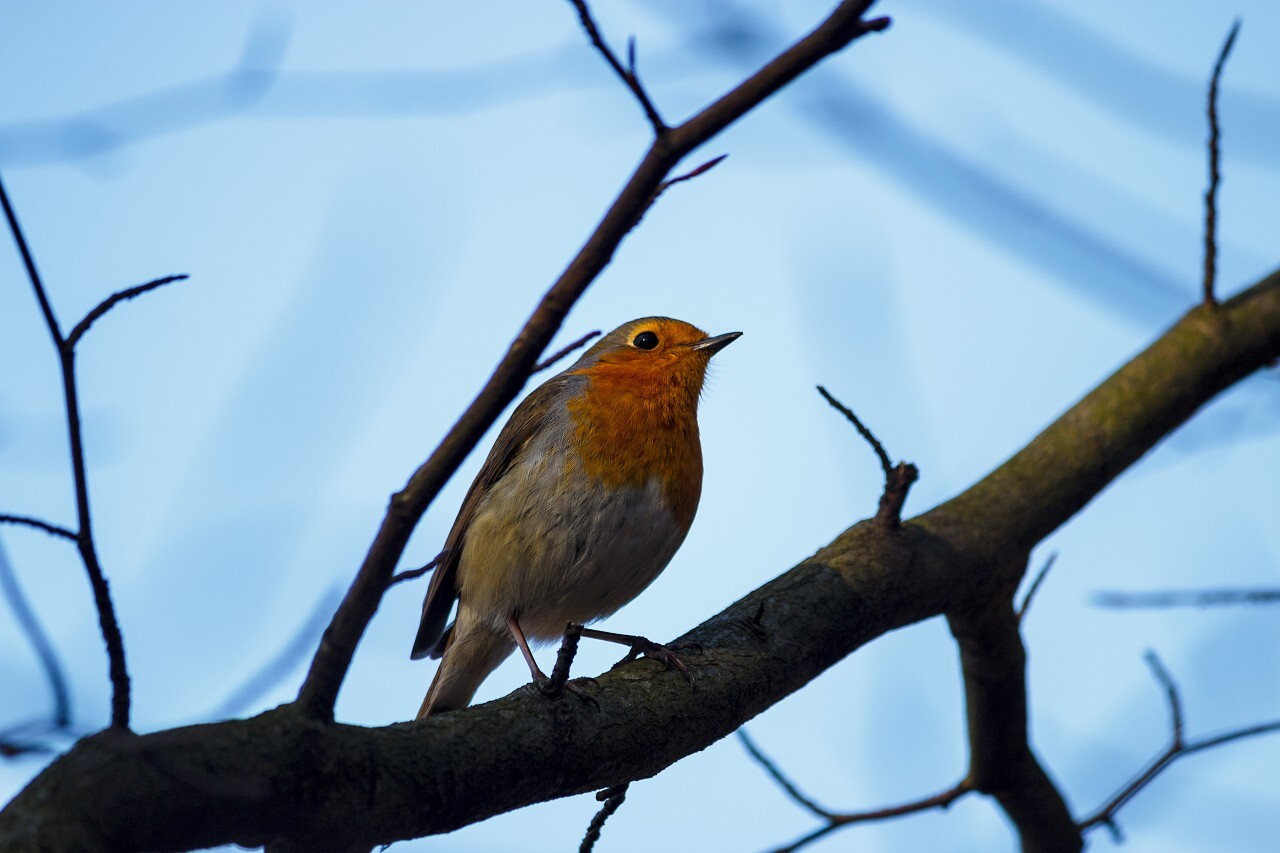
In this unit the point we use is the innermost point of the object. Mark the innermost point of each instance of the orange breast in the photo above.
(634, 423)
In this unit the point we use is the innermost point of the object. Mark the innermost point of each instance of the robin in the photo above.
(586, 495)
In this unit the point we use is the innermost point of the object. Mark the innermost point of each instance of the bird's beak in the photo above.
(713, 345)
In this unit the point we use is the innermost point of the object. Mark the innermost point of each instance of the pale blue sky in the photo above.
(958, 226)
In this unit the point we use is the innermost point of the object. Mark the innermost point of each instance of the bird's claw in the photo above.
(656, 651)
(553, 688)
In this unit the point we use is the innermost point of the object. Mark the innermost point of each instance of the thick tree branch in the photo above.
(280, 775)
(332, 659)
(1001, 762)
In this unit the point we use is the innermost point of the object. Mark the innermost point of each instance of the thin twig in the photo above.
(40, 643)
(835, 820)
(886, 464)
(410, 574)
(1035, 585)
(692, 173)
(333, 656)
(114, 299)
(38, 524)
(897, 478)
(1170, 694)
(1105, 815)
(561, 353)
(1187, 598)
(612, 799)
(626, 74)
(1211, 194)
(110, 626)
(778, 776)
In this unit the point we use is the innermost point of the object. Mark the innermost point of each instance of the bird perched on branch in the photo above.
(586, 495)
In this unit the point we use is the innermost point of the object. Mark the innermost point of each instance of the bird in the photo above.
(587, 493)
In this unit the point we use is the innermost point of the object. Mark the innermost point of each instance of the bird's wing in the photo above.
(443, 591)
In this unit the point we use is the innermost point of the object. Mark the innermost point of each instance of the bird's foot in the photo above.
(644, 647)
(554, 688)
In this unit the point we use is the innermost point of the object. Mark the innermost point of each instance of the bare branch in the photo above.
(628, 73)
(1002, 763)
(561, 353)
(410, 574)
(692, 173)
(114, 299)
(1105, 815)
(38, 524)
(1211, 194)
(1171, 695)
(333, 658)
(886, 464)
(612, 799)
(110, 626)
(836, 820)
(897, 478)
(783, 781)
(1187, 598)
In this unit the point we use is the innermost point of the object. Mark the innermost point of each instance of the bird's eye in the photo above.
(646, 340)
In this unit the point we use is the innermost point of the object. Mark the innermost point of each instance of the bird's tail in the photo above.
(474, 651)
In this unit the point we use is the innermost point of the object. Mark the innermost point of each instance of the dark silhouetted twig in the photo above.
(1211, 194)
(835, 820)
(692, 173)
(561, 353)
(886, 464)
(1186, 598)
(1035, 586)
(40, 643)
(114, 299)
(612, 798)
(777, 775)
(38, 524)
(286, 660)
(410, 574)
(1105, 815)
(333, 657)
(119, 672)
(626, 73)
(897, 478)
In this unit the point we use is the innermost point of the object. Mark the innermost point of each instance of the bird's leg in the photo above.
(559, 680)
(538, 674)
(642, 646)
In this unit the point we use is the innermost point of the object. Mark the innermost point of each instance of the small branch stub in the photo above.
(612, 799)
